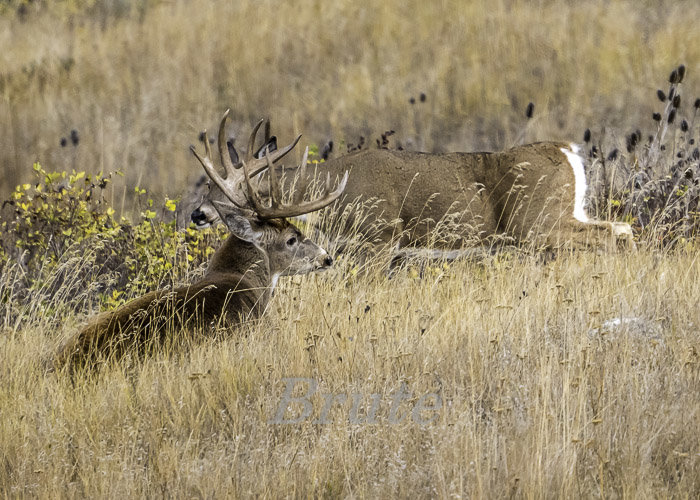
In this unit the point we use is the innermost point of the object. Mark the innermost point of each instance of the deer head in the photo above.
(258, 222)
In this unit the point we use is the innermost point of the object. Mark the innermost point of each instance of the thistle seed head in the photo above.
(681, 72)
(529, 110)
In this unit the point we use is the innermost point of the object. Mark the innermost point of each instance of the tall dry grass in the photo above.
(138, 85)
(539, 397)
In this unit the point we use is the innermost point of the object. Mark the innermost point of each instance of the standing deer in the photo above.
(242, 274)
(530, 193)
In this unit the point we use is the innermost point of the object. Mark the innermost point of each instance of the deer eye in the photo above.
(292, 241)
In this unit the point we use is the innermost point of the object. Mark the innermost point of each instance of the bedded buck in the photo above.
(533, 193)
(241, 276)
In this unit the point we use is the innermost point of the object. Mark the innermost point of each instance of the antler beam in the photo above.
(276, 208)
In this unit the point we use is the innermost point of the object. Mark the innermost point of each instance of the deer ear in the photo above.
(271, 144)
(242, 227)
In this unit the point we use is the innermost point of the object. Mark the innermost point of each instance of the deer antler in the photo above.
(231, 185)
(277, 209)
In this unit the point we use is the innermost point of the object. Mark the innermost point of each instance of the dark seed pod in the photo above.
(587, 136)
(660, 94)
(529, 110)
(684, 126)
(676, 100)
(696, 154)
(673, 77)
(697, 103)
(671, 93)
(681, 72)
(64, 142)
(613, 154)
(672, 116)
(423, 97)
(74, 138)
(656, 117)
(412, 100)
(202, 136)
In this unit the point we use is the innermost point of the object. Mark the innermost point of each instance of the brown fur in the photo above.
(229, 297)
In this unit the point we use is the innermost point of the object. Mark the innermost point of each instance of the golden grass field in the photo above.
(541, 394)
(535, 403)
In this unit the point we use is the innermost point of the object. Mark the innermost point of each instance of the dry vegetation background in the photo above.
(542, 395)
(139, 84)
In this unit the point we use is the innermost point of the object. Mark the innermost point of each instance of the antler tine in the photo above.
(275, 190)
(253, 195)
(299, 193)
(267, 131)
(207, 148)
(251, 141)
(211, 171)
(223, 148)
(275, 156)
(277, 212)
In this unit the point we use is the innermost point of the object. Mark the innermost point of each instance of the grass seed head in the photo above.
(529, 110)
(681, 72)
(673, 77)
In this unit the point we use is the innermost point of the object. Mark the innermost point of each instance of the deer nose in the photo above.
(198, 217)
(328, 261)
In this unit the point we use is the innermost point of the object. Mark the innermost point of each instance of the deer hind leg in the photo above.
(604, 235)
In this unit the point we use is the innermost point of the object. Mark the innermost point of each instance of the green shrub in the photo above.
(59, 235)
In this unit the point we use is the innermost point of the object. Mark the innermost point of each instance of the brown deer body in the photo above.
(240, 278)
(531, 193)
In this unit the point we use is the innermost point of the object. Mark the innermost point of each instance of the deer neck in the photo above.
(237, 256)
